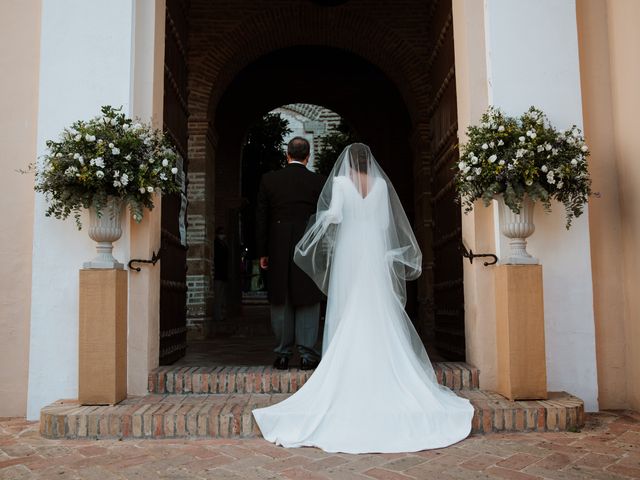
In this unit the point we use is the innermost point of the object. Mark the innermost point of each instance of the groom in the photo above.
(286, 200)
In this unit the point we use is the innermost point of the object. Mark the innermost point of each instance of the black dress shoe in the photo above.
(281, 363)
(306, 364)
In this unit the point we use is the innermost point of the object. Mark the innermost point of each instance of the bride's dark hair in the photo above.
(359, 157)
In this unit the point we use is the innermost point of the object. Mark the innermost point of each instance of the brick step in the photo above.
(263, 379)
(229, 415)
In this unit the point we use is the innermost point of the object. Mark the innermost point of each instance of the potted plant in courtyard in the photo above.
(520, 161)
(105, 164)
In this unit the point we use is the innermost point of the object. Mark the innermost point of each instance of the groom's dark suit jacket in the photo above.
(286, 200)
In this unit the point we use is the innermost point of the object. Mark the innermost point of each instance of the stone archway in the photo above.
(227, 42)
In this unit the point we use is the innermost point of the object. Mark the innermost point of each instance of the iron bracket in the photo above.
(154, 259)
(470, 255)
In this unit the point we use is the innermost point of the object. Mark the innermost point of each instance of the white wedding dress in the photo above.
(375, 389)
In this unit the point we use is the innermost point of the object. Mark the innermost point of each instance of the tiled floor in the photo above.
(608, 447)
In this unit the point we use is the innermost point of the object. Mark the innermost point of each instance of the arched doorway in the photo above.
(395, 85)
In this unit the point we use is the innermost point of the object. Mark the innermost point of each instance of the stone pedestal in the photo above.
(522, 371)
(102, 362)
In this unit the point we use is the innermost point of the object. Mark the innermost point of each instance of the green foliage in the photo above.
(332, 146)
(109, 155)
(264, 149)
(523, 156)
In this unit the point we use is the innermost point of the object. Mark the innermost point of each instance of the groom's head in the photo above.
(298, 150)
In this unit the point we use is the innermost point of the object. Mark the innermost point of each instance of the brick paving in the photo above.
(607, 447)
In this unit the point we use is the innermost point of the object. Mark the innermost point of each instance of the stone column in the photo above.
(92, 53)
(514, 54)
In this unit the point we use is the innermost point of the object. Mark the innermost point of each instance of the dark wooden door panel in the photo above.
(448, 287)
(173, 264)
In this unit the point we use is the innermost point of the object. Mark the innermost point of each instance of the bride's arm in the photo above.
(334, 212)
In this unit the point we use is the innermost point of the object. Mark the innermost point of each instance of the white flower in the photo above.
(142, 189)
(500, 143)
(540, 148)
(544, 168)
(116, 183)
(77, 138)
(151, 159)
(124, 179)
(554, 151)
(522, 139)
(174, 170)
(501, 128)
(111, 145)
(99, 174)
(115, 151)
(474, 159)
(485, 146)
(560, 184)
(461, 166)
(76, 156)
(471, 155)
(469, 177)
(491, 144)
(165, 162)
(493, 158)
(71, 171)
(100, 141)
(163, 176)
(128, 156)
(99, 162)
(584, 148)
(125, 127)
(574, 162)
(510, 167)
(529, 182)
(547, 146)
(478, 170)
(520, 152)
(81, 160)
(58, 155)
(533, 135)
(501, 162)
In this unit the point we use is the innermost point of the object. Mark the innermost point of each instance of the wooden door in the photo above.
(448, 292)
(173, 269)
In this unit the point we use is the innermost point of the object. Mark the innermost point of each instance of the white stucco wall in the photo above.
(532, 50)
(86, 58)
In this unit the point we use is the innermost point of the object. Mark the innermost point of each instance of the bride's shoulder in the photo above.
(340, 179)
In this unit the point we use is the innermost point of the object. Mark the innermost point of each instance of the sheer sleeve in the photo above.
(334, 213)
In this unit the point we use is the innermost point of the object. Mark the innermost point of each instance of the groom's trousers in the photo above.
(296, 324)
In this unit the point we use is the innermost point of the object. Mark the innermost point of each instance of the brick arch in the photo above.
(226, 38)
(309, 25)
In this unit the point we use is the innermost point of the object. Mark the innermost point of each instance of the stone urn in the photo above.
(105, 229)
(517, 227)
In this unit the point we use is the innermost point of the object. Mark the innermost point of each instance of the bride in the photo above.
(375, 389)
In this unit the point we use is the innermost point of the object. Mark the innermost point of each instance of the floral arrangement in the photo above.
(523, 156)
(107, 156)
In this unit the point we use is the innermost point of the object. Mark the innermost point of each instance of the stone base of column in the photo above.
(102, 361)
(522, 369)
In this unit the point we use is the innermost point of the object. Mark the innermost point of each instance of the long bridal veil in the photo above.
(314, 252)
(386, 236)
